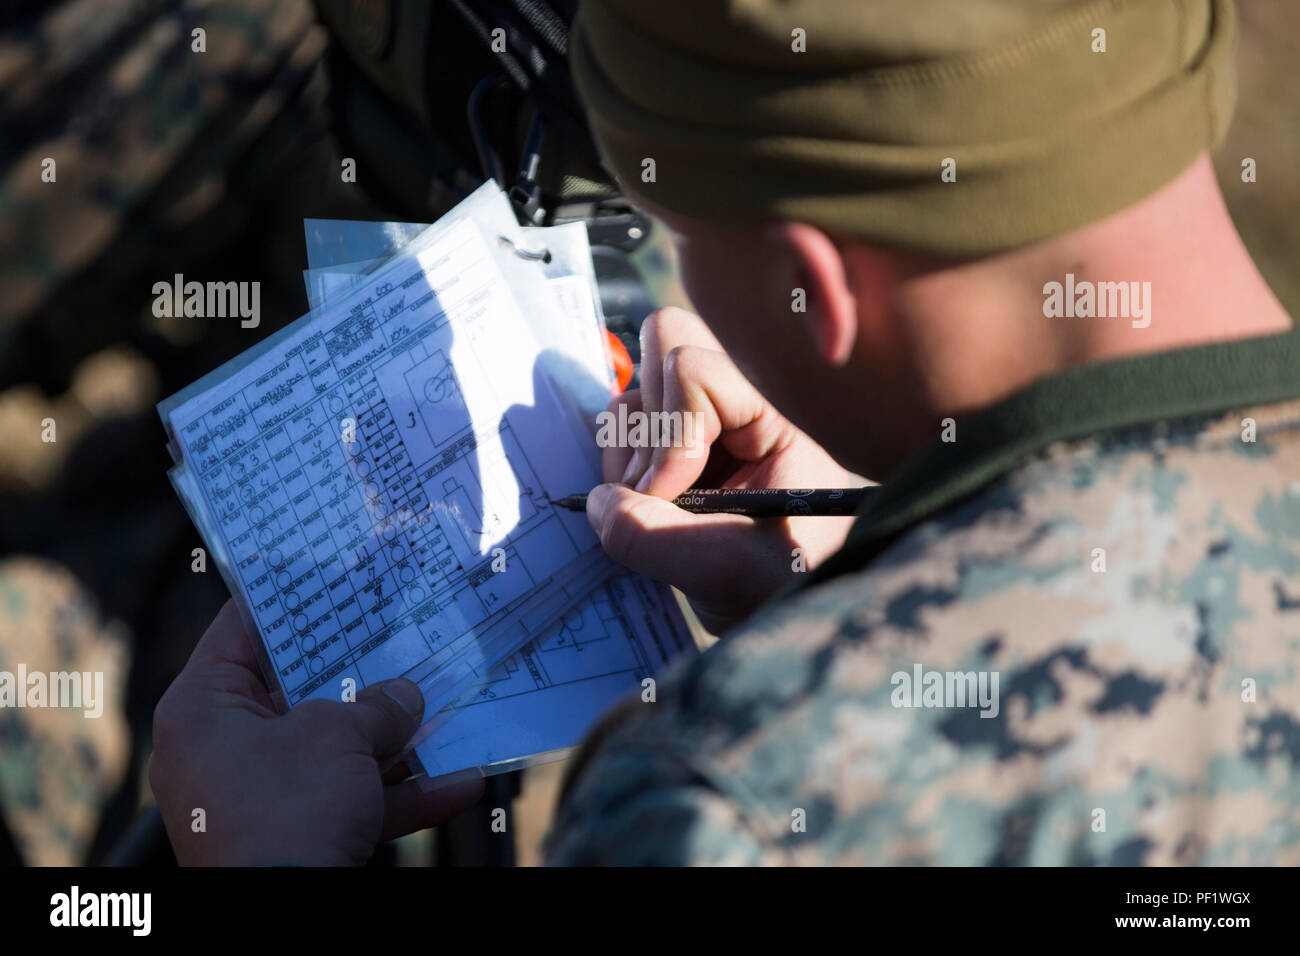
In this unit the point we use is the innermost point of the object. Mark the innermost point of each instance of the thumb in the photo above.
(656, 538)
(386, 715)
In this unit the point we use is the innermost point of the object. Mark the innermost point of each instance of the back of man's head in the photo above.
(944, 127)
(871, 198)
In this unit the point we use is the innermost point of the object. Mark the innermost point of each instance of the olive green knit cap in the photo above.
(846, 113)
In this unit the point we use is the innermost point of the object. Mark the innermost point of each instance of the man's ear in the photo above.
(831, 315)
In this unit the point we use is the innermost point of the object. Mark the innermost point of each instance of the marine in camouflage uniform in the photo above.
(1149, 706)
(1111, 552)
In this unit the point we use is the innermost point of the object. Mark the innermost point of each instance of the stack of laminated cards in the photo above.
(375, 481)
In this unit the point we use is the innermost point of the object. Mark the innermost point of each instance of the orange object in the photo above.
(622, 361)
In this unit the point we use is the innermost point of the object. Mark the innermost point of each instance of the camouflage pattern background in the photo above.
(141, 125)
(1148, 714)
(167, 160)
(59, 765)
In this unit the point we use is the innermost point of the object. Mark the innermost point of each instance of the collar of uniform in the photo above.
(1075, 403)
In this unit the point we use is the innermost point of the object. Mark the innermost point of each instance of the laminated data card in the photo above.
(374, 484)
(545, 697)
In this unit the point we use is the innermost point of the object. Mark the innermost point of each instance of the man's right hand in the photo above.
(725, 564)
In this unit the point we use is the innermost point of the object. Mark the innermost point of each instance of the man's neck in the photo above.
(1172, 267)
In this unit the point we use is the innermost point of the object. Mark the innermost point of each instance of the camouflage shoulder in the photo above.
(1094, 660)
